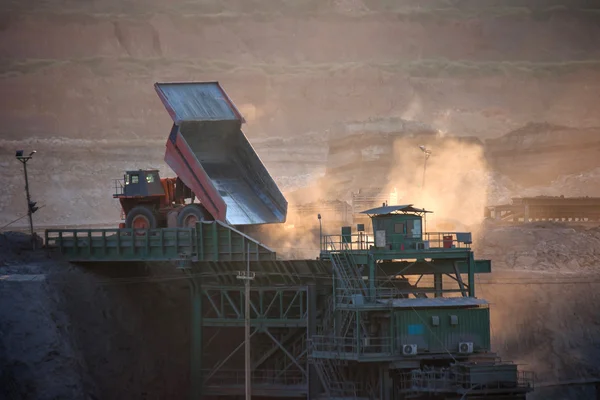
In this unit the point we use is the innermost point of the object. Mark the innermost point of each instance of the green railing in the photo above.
(224, 378)
(353, 296)
(122, 244)
(207, 241)
(430, 241)
(351, 347)
(495, 379)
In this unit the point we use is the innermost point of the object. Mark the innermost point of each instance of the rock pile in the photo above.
(540, 246)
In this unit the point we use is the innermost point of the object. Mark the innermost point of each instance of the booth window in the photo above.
(398, 228)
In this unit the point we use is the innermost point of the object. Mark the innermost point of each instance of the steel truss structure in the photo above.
(361, 322)
(399, 321)
(284, 310)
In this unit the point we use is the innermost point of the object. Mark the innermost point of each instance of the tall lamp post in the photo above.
(31, 208)
(320, 233)
(427, 153)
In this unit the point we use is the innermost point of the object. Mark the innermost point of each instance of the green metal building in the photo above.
(404, 321)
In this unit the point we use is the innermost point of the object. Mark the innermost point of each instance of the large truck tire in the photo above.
(191, 214)
(141, 217)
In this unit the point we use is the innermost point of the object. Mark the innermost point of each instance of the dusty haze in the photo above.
(522, 77)
(456, 182)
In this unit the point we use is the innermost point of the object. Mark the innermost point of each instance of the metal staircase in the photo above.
(350, 288)
(349, 280)
(339, 322)
(332, 378)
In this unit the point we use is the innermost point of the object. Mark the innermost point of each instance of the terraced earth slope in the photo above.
(77, 80)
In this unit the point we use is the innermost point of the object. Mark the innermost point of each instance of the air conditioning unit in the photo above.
(465, 347)
(409, 349)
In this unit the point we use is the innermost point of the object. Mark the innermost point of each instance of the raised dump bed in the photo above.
(209, 152)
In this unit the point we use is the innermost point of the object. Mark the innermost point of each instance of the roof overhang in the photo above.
(401, 209)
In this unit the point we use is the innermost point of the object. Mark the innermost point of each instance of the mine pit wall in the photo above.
(536, 154)
(354, 160)
(539, 153)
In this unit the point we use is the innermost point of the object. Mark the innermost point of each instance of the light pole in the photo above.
(427, 153)
(247, 277)
(31, 208)
(320, 233)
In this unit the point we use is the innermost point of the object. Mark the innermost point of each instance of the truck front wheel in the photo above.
(141, 217)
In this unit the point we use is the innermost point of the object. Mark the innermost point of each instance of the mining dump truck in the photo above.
(219, 176)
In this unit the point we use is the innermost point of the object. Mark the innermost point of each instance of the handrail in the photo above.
(349, 295)
(119, 187)
(352, 345)
(450, 380)
(432, 241)
(267, 377)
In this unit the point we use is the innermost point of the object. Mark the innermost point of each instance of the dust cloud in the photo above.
(298, 237)
(453, 183)
(250, 112)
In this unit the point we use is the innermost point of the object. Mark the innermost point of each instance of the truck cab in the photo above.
(142, 183)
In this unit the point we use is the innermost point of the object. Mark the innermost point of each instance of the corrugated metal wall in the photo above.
(417, 327)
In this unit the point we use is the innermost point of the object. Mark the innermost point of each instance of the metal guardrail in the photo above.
(431, 241)
(346, 345)
(450, 381)
(87, 244)
(119, 187)
(259, 377)
(207, 241)
(356, 297)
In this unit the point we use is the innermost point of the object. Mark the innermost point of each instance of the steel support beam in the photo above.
(437, 283)
(196, 339)
(271, 306)
(471, 272)
(372, 277)
(463, 290)
(314, 384)
(436, 266)
(220, 364)
(274, 349)
(287, 353)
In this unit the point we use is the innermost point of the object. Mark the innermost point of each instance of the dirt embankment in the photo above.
(549, 328)
(537, 154)
(541, 246)
(474, 70)
(296, 70)
(536, 159)
(544, 301)
(91, 333)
